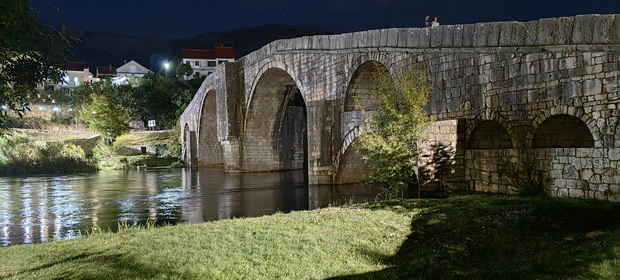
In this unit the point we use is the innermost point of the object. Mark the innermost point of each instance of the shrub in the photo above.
(525, 177)
(18, 155)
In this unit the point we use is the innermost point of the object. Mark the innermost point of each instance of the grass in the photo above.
(460, 237)
(151, 138)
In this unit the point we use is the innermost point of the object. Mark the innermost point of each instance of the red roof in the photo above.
(217, 52)
(224, 52)
(106, 70)
(75, 66)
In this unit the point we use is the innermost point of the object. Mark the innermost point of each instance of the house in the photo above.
(105, 71)
(203, 62)
(77, 74)
(130, 70)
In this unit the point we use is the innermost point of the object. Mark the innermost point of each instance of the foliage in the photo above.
(389, 144)
(184, 69)
(105, 115)
(461, 237)
(524, 176)
(121, 157)
(30, 53)
(154, 97)
(173, 147)
(162, 99)
(112, 156)
(63, 118)
(18, 155)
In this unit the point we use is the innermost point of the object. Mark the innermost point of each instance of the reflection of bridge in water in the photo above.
(218, 196)
(544, 91)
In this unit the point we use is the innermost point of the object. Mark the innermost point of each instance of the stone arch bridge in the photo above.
(544, 92)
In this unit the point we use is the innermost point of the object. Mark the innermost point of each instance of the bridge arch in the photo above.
(566, 111)
(489, 134)
(489, 121)
(209, 147)
(270, 66)
(275, 130)
(362, 86)
(349, 167)
(563, 131)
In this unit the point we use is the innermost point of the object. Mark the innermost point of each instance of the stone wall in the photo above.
(584, 172)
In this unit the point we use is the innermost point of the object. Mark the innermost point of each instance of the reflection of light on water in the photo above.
(5, 215)
(27, 213)
(46, 208)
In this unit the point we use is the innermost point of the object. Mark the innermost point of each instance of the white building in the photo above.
(203, 62)
(129, 70)
(77, 74)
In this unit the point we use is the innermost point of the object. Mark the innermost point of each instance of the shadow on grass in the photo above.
(495, 237)
(100, 265)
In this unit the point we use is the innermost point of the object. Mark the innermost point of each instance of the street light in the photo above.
(166, 65)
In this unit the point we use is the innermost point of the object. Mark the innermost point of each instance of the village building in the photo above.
(203, 62)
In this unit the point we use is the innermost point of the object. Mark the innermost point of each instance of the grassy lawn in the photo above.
(461, 237)
(150, 138)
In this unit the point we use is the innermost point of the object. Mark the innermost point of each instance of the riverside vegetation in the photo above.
(473, 236)
(21, 155)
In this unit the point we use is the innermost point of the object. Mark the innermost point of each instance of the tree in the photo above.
(30, 53)
(162, 99)
(184, 69)
(389, 144)
(101, 108)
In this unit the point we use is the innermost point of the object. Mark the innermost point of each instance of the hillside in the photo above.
(103, 49)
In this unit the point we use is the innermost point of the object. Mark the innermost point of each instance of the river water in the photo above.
(37, 209)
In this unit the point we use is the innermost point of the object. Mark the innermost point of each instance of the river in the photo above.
(37, 209)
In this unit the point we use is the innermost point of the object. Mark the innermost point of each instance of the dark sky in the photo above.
(186, 18)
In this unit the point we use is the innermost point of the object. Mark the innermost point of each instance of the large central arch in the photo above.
(275, 136)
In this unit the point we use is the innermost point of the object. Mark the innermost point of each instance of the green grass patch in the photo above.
(460, 237)
(150, 138)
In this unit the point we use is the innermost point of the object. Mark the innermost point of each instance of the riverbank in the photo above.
(463, 236)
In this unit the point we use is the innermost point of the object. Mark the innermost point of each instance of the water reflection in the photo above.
(45, 208)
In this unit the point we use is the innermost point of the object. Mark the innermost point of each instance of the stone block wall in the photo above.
(483, 169)
(592, 173)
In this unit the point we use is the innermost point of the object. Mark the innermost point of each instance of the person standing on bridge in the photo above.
(435, 22)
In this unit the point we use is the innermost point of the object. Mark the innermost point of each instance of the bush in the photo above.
(112, 157)
(18, 155)
(62, 118)
(524, 177)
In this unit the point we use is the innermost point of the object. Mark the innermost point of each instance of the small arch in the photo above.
(210, 151)
(363, 86)
(563, 131)
(352, 167)
(489, 134)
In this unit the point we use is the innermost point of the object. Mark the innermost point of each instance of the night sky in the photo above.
(187, 18)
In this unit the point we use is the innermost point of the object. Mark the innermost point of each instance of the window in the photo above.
(197, 74)
(220, 62)
(49, 87)
(209, 73)
(211, 63)
(197, 63)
